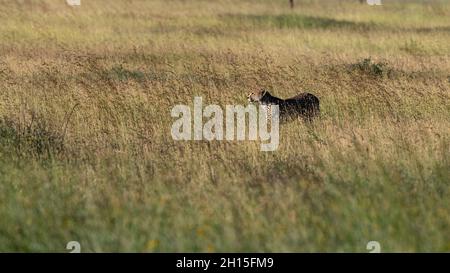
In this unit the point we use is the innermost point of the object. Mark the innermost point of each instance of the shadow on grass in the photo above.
(431, 29)
(296, 21)
(34, 138)
(313, 22)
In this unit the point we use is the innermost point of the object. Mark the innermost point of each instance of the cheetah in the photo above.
(304, 105)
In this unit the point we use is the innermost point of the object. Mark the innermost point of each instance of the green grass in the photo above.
(86, 152)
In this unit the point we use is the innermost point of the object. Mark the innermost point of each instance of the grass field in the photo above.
(86, 152)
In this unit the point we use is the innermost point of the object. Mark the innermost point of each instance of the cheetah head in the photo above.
(257, 95)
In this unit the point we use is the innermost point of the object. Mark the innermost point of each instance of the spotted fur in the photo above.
(304, 105)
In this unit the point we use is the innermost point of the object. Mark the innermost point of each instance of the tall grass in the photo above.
(86, 152)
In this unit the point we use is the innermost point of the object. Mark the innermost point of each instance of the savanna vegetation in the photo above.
(86, 152)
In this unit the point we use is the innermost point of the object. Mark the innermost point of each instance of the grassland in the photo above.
(85, 146)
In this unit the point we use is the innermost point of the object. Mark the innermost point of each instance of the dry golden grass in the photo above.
(86, 152)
